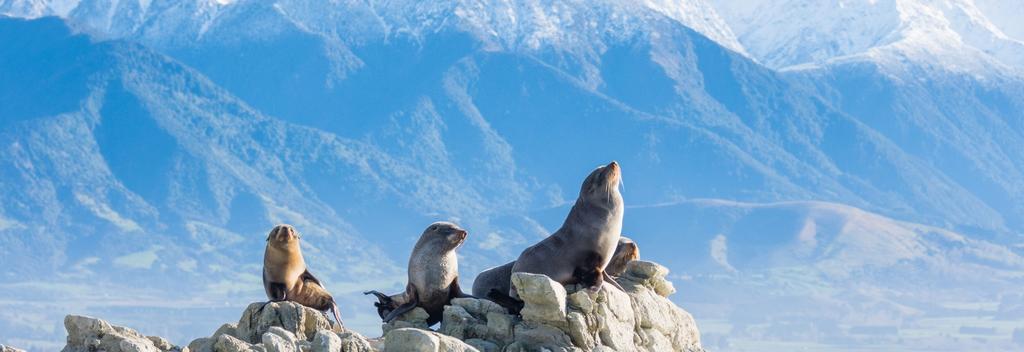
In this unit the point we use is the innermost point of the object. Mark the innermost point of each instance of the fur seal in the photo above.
(580, 250)
(499, 278)
(625, 252)
(285, 276)
(433, 275)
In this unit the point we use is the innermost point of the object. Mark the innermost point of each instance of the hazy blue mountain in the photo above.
(792, 207)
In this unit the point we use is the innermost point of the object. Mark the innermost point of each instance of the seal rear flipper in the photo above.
(612, 281)
(402, 309)
(337, 314)
(384, 303)
(514, 306)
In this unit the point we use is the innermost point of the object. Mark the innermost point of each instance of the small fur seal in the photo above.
(433, 275)
(580, 250)
(499, 278)
(625, 252)
(285, 276)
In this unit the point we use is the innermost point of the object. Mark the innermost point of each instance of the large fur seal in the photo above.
(285, 276)
(579, 251)
(499, 278)
(433, 275)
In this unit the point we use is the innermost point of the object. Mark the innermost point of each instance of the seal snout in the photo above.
(284, 232)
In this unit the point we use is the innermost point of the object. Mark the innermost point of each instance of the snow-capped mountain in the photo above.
(169, 126)
(973, 36)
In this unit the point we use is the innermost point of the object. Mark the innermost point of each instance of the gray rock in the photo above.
(161, 343)
(483, 345)
(257, 319)
(326, 341)
(202, 344)
(5, 348)
(228, 343)
(544, 298)
(416, 318)
(418, 340)
(352, 341)
(87, 334)
(275, 343)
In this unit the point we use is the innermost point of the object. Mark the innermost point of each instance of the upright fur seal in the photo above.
(285, 276)
(625, 252)
(579, 251)
(433, 275)
(499, 278)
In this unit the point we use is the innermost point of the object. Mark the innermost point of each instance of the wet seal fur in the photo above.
(433, 275)
(286, 277)
(579, 251)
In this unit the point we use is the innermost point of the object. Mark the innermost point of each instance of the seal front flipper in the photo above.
(454, 291)
(307, 276)
(277, 292)
(402, 309)
(608, 278)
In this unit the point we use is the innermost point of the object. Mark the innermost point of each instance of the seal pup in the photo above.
(625, 252)
(580, 250)
(433, 275)
(285, 276)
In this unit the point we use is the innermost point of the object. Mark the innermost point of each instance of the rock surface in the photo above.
(554, 318)
(5, 348)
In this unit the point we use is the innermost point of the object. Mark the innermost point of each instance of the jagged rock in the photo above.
(86, 334)
(202, 344)
(258, 318)
(276, 343)
(228, 343)
(544, 298)
(483, 345)
(419, 340)
(5, 348)
(416, 318)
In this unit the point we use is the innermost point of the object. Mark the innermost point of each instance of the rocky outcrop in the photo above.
(559, 319)
(86, 334)
(5, 348)
(554, 318)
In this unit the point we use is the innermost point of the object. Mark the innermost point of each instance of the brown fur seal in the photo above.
(580, 250)
(625, 252)
(285, 276)
(433, 275)
(499, 278)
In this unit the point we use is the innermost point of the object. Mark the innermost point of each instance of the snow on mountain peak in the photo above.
(968, 35)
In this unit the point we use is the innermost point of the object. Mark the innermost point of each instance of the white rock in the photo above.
(544, 298)
(418, 340)
(90, 334)
(275, 343)
(258, 318)
(5, 348)
(228, 343)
